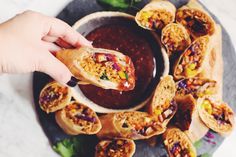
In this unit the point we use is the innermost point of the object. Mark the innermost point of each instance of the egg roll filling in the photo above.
(114, 148)
(175, 38)
(81, 115)
(220, 112)
(192, 59)
(196, 21)
(52, 96)
(155, 19)
(166, 111)
(196, 86)
(180, 151)
(139, 123)
(178, 144)
(111, 68)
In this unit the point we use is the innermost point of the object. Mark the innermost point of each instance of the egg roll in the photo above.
(156, 15)
(107, 69)
(76, 118)
(213, 67)
(175, 38)
(187, 118)
(178, 144)
(131, 125)
(192, 61)
(54, 96)
(196, 86)
(216, 115)
(162, 103)
(115, 148)
(195, 19)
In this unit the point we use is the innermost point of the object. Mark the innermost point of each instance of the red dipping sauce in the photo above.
(132, 43)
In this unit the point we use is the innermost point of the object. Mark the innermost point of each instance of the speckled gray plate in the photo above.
(205, 147)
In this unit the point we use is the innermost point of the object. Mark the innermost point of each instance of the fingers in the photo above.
(59, 29)
(58, 41)
(64, 44)
(57, 70)
(51, 39)
(51, 47)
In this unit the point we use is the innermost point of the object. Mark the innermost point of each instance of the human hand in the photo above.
(27, 42)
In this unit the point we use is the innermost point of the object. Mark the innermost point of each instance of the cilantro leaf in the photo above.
(67, 147)
(104, 76)
(119, 4)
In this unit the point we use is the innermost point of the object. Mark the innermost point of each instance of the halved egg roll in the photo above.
(216, 115)
(162, 104)
(175, 38)
(187, 118)
(191, 62)
(156, 15)
(131, 125)
(115, 148)
(77, 118)
(107, 69)
(196, 86)
(213, 67)
(54, 96)
(178, 144)
(186, 106)
(196, 20)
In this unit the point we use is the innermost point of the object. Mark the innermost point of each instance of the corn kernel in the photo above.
(122, 74)
(157, 111)
(190, 73)
(192, 66)
(208, 92)
(206, 105)
(145, 15)
(200, 94)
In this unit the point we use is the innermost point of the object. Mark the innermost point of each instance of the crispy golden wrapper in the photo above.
(196, 86)
(195, 19)
(175, 38)
(162, 104)
(192, 61)
(77, 118)
(156, 15)
(131, 125)
(187, 118)
(216, 115)
(104, 68)
(115, 148)
(54, 96)
(178, 144)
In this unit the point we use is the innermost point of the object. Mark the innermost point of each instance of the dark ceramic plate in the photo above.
(205, 147)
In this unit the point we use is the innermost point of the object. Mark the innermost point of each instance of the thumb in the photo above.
(57, 70)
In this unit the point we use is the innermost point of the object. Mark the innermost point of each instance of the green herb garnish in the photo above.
(67, 147)
(119, 4)
(126, 75)
(104, 76)
(77, 146)
(206, 155)
(198, 144)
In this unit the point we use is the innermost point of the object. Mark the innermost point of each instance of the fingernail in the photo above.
(73, 81)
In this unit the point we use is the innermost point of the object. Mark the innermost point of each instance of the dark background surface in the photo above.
(78, 9)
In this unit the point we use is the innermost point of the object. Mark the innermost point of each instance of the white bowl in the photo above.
(95, 20)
